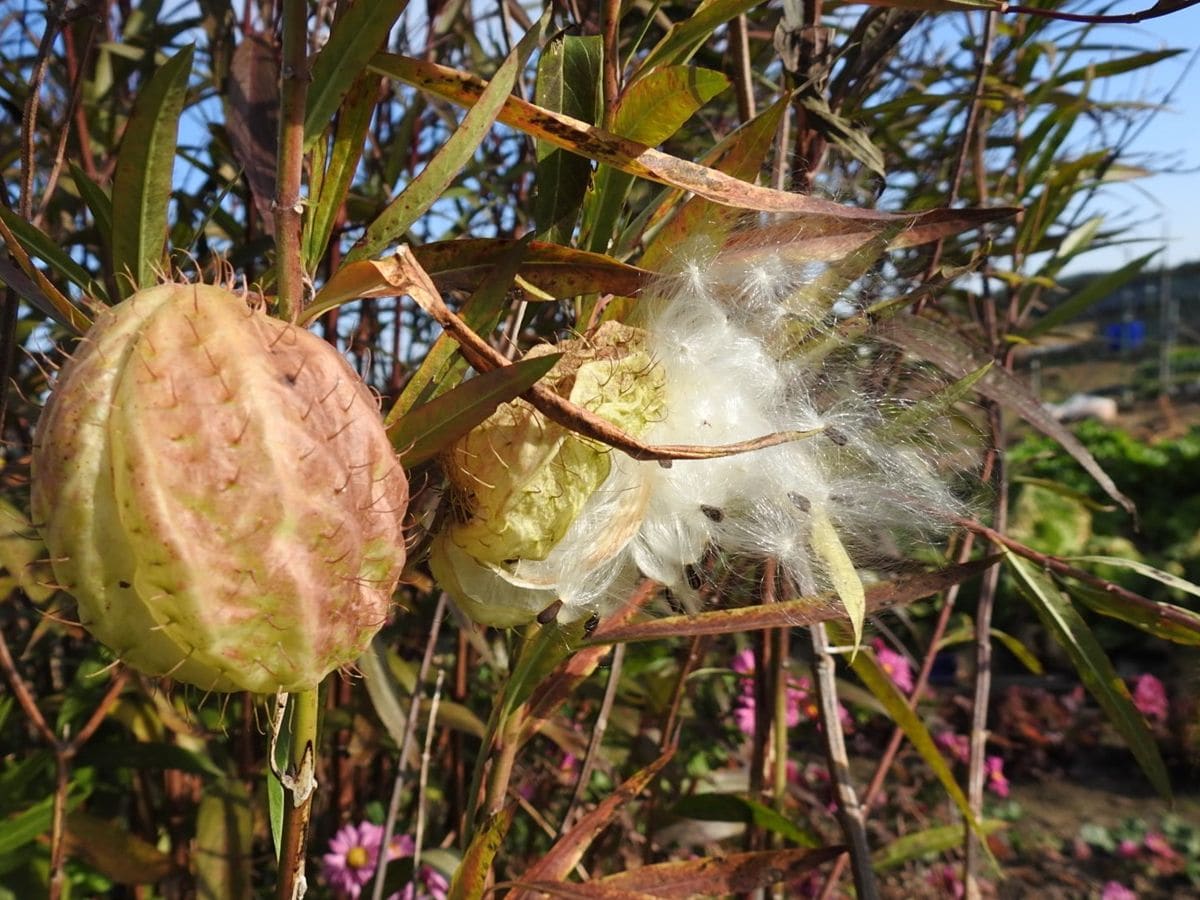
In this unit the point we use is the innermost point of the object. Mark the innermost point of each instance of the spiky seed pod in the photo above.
(217, 491)
(520, 480)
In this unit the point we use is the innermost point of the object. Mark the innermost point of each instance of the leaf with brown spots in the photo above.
(805, 611)
(822, 216)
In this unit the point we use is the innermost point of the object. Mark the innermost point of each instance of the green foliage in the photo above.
(625, 146)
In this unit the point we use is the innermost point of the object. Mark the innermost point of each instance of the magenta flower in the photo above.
(743, 662)
(947, 882)
(800, 702)
(430, 884)
(1157, 844)
(1114, 890)
(996, 781)
(353, 853)
(895, 665)
(1128, 849)
(350, 862)
(1150, 697)
(957, 745)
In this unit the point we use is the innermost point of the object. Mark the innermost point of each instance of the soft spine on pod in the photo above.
(217, 491)
(726, 344)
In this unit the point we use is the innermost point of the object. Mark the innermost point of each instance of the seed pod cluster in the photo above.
(218, 493)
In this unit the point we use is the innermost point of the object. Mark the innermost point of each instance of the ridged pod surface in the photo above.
(217, 491)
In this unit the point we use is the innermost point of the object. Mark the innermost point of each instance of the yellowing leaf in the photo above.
(828, 546)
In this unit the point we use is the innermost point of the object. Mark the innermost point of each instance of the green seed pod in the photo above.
(519, 479)
(217, 491)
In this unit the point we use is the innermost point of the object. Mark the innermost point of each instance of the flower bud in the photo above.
(217, 491)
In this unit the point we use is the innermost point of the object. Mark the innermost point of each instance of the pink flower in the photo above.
(996, 781)
(1157, 844)
(957, 745)
(798, 696)
(743, 662)
(350, 862)
(429, 884)
(946, 882)
(895, 665)
(1150, 697)
(1114, 890)
(744, 714)
(353, 853)
(1128, 849)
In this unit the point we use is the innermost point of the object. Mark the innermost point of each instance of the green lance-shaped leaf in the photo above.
(965, 634)
(938, 839)
(932, 408)
(867, 668)
(142, 181)
(568, 79)
(357, 35)
(431, 182)
(650, 112)
(735, 808)
(470, 880)
(1095, 290)
(31, 823)
(1068, 628)
(348, 140)
(851, 139)
(1112, 67)
(1165, 621)
(40, 244)
(946, 350)
(98, 202)
(426, 430)
(683, 38)
(842, 575)
(1171, 581)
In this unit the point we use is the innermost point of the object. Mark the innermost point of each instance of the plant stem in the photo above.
(410, 729)
(293, 93)
(850, 813)
(298, 796)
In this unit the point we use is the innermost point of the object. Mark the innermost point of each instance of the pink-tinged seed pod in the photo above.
(217, 491)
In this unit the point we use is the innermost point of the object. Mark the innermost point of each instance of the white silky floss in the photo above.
(711, 331)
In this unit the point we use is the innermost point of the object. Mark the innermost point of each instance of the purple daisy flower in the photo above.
(350, 862)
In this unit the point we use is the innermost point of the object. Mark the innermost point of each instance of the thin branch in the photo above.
(968, 135)
(23, 696)
(294, 79)
(1159, 9)
(611, 79)
(743, 82)
(423, 780)
(410, 728)
(597, 739)
(73, 107)
(850, 814)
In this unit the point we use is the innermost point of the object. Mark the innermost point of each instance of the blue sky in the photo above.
(1168, 204)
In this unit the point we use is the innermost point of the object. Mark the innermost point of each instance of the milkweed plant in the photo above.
(456, 452)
